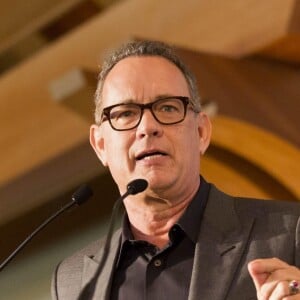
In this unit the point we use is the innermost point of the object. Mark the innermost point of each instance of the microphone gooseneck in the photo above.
(80, 196)
(133, 187)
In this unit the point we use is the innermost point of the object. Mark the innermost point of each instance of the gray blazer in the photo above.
(233, 232)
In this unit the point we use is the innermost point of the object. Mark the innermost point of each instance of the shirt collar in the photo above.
(190, 221)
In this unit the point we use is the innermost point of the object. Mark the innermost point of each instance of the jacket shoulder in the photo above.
(259, 206)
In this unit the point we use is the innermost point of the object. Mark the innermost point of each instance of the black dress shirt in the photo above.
(144, 272)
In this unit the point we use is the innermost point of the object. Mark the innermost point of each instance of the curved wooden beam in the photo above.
(262, 149)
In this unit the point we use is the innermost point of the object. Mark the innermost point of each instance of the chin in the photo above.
(159, 182)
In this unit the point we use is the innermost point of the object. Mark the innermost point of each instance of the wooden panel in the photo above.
(287, 46)
(260, 91)
(21, 18)
(75, 90)
(237, 176)
(235, 28)
(265, 151)
(48, 181)
(36, 129)
(285, 49)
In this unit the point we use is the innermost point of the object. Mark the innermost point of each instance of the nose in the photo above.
(149, 126)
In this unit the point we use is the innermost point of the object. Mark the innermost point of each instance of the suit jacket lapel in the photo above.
(221, 243)
(104, 280)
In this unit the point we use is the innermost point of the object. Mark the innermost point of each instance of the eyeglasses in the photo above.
(166, 111)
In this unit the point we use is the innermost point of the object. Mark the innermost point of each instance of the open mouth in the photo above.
(150, 154)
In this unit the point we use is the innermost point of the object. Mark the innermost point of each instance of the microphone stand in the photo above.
(80, 196)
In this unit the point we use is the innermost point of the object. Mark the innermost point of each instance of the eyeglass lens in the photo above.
(165, 111)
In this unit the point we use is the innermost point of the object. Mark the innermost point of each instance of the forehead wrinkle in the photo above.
(140, 87)
(114, 95)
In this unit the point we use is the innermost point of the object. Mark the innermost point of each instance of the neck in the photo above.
(152, 218)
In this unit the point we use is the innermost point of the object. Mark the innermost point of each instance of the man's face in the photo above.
(167, 156)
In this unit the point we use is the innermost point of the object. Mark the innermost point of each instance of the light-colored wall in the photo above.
(28, 277)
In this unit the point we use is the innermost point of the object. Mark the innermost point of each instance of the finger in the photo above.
(280, 291)
(293, 297)
(277, 290)
(255, 271)
(273, 290)
(268, 265)
(266, 289)
(261, 269)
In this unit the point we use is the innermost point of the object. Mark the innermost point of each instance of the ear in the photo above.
(205, 130)
(98, 143)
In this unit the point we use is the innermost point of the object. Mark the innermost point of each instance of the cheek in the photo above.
(117, 150)
(191, 145)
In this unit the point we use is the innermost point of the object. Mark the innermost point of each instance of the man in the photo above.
(181, 238)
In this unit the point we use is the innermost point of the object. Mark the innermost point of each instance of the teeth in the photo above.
(152, 155)
(149, 155)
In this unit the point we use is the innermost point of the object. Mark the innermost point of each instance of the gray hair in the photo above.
(145, 48)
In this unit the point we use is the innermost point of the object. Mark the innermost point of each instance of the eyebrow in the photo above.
(158, 97)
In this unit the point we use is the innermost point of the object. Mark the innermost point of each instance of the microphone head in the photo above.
(136, 186)
(82, 194)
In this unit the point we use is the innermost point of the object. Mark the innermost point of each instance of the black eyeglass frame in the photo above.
(106, 111)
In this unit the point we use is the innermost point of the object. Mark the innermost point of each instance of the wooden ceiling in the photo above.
(35, 129)
(27, 27)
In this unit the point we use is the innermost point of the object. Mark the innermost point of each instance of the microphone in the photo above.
(81, 195)
(136, 186)
(133, 187)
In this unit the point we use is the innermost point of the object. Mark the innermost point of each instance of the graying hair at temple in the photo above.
(145, 48)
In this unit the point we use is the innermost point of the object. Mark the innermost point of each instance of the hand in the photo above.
(271, 278)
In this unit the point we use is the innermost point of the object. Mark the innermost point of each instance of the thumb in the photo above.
(259, 276)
